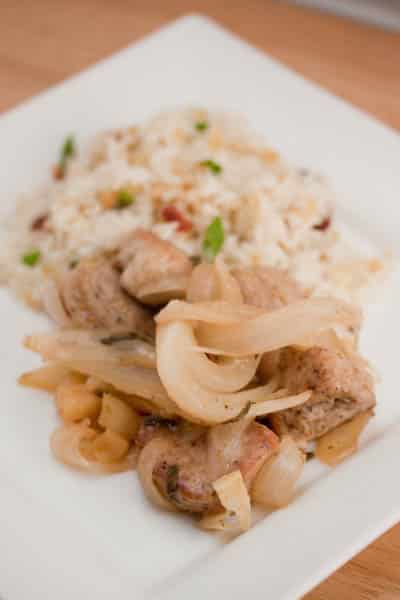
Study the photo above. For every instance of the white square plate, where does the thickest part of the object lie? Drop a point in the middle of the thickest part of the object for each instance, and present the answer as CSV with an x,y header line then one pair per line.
x,y
67,536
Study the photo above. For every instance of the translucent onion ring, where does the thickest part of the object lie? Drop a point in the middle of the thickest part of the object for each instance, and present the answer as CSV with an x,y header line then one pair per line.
x,y
229,289
65,444
226,377
233,331
130,380
216,312
148,458
194,400
87,345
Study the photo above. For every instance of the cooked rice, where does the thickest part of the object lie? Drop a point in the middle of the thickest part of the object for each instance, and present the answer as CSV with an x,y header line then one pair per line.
x,y
271,211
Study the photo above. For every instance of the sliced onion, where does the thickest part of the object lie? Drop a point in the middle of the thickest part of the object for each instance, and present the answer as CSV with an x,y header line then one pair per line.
x,y
78,344
276,402
130,380
336,445
94,384
78,351
274,485
234,497
45,378
203,284
136,352
226,377
220,521
194,400
229,289
142,405
217,313
66,445
53,304
273,330
215,281
108,447
224,446
148,459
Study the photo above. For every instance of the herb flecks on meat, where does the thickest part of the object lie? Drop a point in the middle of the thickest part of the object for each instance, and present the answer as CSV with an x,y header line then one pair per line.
x,y
172,480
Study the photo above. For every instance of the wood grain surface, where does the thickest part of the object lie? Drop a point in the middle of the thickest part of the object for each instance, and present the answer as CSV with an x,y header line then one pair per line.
x,y
43,41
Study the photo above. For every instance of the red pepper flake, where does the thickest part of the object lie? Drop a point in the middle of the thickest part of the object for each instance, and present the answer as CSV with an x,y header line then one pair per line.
x,y
323,225
39,223
171,213
58,172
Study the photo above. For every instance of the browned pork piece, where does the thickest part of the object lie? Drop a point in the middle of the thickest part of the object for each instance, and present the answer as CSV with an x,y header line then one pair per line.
x,y
342,388
93,297
186,469
267,287
153,270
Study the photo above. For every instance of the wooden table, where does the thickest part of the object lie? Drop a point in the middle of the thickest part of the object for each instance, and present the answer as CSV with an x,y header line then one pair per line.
x,y
43,41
